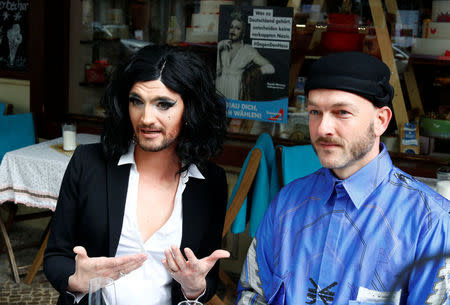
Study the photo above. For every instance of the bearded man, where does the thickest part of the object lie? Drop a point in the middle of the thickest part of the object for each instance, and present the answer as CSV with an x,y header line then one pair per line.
x,y
350,232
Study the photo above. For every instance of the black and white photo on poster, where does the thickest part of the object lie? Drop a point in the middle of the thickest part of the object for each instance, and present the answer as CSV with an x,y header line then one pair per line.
x,y
13,35
253,53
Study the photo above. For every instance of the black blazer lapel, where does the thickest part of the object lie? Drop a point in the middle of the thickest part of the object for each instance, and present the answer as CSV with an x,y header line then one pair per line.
x,y
194,201
117,186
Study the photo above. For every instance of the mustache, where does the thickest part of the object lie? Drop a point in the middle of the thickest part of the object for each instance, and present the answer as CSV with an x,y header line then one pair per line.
x,y
151,126
330,140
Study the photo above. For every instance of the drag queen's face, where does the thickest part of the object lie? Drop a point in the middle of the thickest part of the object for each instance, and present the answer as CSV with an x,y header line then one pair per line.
x,y
235,32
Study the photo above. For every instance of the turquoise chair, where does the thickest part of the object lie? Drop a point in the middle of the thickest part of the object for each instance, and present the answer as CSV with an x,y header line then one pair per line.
x,y
16,131
296,162
260,187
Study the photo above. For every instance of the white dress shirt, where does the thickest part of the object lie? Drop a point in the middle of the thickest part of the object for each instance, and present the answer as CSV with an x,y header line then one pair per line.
x,y
149,284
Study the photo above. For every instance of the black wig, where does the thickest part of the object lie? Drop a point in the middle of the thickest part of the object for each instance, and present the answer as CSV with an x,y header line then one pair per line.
x,y
204,117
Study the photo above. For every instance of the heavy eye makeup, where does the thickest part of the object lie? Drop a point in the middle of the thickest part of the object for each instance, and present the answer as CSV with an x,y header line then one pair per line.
x,y
160,103
135,100
164,104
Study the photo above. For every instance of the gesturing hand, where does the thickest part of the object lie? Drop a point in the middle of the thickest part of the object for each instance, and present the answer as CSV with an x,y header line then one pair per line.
x,y
87,268
191,273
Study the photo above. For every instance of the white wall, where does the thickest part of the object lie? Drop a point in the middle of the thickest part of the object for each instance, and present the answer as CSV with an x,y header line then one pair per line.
x,y
17,93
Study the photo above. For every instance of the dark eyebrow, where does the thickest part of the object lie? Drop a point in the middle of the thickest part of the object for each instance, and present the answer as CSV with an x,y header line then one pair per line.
x,y
169,99
310,102
134,95
159,97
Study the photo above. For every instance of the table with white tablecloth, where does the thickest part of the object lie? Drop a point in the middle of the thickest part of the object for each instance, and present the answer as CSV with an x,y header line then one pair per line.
x,y
32,176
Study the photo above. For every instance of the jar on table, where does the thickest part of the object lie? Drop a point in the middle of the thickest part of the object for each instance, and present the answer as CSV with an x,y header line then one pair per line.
x,y
443,181
69,131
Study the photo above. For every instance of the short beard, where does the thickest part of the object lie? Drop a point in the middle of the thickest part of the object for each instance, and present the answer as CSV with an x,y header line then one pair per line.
x,y
363,146
357,149
165,144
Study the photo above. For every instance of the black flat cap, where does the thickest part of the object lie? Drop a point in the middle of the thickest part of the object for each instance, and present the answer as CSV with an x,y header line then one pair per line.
x,y
354,72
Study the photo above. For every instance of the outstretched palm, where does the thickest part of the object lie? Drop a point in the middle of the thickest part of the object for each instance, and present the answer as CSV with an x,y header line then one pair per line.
x,y
191,273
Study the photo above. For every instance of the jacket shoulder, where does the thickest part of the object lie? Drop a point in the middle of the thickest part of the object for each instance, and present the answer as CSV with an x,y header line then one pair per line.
x,y
211,170
89,155
89,150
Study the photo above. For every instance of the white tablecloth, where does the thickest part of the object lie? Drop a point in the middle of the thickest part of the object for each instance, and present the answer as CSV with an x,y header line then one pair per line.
x,y
32,175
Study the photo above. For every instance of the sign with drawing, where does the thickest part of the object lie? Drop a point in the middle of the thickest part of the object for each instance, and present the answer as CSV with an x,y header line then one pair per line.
x,y
253,55
14,34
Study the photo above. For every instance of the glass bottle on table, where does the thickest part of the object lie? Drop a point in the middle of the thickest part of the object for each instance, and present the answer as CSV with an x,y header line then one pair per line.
x,y
69,131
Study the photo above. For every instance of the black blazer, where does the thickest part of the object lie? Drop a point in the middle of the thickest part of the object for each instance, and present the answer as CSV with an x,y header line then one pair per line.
x,y
90,212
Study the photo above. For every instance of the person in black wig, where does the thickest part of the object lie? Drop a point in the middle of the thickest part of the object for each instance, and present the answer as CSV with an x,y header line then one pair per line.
x,y
128,205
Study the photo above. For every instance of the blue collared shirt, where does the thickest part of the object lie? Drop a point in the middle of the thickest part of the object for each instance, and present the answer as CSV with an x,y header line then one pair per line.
x,y
330,241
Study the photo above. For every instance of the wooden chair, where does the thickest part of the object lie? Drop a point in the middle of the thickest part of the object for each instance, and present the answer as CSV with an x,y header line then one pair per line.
x,y
301,158
233,209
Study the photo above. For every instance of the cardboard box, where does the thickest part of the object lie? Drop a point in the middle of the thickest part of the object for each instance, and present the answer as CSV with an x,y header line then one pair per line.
x,y
440,11
436,30
409,138
434,47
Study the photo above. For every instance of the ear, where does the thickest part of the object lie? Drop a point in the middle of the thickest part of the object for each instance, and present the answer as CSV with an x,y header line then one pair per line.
x,y
382,119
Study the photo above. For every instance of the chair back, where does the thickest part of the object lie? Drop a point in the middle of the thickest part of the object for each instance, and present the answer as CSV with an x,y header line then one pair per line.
x,y
237,208
260,189
296,162
5,108
242,188
16,131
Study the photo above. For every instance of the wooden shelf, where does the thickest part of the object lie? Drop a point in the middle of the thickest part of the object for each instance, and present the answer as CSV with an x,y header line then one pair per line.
x,y
100,40
96,85
195,44
87,123
418,165
429,60
87,118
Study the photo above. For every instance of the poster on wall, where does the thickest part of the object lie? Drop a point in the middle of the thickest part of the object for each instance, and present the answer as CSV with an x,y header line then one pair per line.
x,y
13,35
253,54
